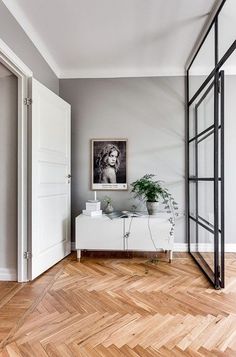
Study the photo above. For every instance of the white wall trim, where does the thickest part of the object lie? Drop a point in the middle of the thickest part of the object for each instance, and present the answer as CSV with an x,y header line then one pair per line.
x,y
183,247
15,60
229,71
8,274
180,247
230,248
23,73
15,10
121,73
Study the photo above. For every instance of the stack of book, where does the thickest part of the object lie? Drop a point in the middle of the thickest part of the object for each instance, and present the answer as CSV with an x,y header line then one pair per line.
x,y
93,208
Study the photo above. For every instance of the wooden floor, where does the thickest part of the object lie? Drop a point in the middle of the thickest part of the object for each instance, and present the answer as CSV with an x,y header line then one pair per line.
x,y
119,307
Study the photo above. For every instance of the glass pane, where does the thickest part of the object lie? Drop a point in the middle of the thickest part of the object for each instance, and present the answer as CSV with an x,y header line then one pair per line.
x,y
192,115
205,109
221,263
227,28
206,156
192,238
230,65
206,246
192,199
219,198
202,248
192,158
206,203
219,138
203,64
202,110
230,152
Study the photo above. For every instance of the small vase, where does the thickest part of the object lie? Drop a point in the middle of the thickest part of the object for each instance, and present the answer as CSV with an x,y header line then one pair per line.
x,y
109,208
152,207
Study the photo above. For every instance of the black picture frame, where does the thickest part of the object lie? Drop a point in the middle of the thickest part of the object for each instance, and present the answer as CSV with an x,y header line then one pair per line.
x,y
109,164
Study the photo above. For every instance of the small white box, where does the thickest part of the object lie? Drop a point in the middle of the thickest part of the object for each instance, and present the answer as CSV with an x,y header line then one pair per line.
x,y
92,213
93,206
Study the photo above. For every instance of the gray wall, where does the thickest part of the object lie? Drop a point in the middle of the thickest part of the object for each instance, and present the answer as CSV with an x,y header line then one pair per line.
x,y
15,37
147,111
230,159
8,173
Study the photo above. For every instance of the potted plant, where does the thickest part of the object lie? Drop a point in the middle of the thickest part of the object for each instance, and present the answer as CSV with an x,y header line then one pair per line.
x,y
152,191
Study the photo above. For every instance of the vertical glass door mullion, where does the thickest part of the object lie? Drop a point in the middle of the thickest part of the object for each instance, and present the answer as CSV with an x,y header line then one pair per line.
x,y
196,171
187,182
216,180
222,245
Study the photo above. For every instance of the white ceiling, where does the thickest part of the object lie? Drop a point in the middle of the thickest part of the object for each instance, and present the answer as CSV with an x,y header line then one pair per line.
x,y
113,38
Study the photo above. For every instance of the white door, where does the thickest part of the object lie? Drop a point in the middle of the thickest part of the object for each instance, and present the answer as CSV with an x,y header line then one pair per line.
x,y
50,179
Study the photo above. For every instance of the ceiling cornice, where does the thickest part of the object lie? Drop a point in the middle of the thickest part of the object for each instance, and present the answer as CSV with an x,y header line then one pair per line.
x,y
122,73
32,34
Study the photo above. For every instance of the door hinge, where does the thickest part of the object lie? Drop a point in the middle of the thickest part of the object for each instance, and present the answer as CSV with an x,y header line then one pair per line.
x,y
27,255
27,101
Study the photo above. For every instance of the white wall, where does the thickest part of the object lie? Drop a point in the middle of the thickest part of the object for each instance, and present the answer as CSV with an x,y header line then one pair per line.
x,y
8,176
147,111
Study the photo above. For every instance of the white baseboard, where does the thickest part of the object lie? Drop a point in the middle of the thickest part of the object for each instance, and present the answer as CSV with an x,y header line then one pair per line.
x,y
209,247
8,274
183,247
230,248
180,247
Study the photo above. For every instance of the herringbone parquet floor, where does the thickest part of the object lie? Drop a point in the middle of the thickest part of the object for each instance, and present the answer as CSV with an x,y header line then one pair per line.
x,y
119,307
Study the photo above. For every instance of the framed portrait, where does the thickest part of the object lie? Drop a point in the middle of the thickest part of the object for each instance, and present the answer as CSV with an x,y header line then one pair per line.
x,y
109,164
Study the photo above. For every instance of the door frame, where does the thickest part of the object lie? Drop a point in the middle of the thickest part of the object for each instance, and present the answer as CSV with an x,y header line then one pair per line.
x,y
10,60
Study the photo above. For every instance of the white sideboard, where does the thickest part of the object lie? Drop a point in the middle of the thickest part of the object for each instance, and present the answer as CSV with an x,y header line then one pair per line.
x,y
143,233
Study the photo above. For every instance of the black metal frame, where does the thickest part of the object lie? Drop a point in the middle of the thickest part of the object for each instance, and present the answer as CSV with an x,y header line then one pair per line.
x,y
222,110
216,277
200,221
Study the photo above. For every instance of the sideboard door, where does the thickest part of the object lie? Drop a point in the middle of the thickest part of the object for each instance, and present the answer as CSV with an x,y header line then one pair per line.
x,y
148,233
99,233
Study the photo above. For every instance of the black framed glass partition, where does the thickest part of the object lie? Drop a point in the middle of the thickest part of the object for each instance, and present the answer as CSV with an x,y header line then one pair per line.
x,y
205,146
204,179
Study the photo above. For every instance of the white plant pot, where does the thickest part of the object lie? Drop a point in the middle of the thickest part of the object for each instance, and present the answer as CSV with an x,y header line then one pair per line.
x,y
109,208
152,207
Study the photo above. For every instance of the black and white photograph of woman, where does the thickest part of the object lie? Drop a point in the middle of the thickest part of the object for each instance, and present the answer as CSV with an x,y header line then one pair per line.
x,y
109,164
